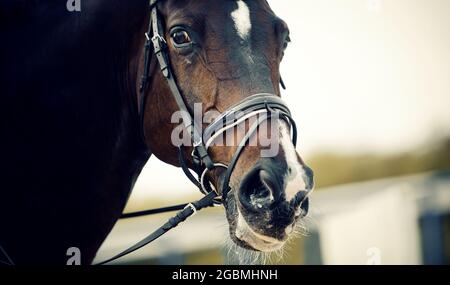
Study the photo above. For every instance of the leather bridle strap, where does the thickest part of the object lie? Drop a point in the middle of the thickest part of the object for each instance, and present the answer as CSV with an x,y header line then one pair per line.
x,y
188,211
280,113
146,78
160,51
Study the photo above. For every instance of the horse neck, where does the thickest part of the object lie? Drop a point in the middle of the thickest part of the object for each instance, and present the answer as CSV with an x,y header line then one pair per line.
x,y
116,29
69,97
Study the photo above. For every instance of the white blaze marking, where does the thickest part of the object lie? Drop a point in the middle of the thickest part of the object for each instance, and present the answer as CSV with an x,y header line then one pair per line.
x,y
241,18
295,177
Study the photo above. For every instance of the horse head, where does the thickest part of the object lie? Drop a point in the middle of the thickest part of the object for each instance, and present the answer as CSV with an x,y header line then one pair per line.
x,y
223,54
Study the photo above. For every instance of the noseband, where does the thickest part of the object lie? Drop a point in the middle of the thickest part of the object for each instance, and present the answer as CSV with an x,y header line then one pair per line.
x,y
261,106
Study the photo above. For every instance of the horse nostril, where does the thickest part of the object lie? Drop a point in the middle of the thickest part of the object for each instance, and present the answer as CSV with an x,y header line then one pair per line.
x,y
256,191
303,209
301,204
308,177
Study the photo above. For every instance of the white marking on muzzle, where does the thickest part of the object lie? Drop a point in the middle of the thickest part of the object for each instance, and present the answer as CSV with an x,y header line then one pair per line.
x,y
295,176
241,18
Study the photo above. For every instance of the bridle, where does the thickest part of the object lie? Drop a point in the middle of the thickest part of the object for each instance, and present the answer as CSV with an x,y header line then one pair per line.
x,y
263,106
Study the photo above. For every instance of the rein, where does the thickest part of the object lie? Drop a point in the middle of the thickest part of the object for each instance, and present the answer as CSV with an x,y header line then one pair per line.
x,y
263,105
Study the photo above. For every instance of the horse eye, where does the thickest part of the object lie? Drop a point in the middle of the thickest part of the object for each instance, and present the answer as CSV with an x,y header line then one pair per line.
x,y
181,37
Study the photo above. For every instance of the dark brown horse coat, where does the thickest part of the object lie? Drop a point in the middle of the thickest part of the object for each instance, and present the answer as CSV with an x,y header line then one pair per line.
x,y
70,144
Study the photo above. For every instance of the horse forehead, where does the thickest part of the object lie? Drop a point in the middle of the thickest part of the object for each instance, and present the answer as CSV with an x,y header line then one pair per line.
x,y
238,14
229,28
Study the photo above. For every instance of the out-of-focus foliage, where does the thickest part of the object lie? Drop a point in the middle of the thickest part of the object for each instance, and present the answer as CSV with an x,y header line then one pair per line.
x,y
332,169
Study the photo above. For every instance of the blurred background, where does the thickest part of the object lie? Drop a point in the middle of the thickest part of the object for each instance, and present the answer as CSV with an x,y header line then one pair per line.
x,y
369,85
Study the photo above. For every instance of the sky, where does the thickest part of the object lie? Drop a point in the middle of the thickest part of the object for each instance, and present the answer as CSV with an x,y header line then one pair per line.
x,y
362,76
367,75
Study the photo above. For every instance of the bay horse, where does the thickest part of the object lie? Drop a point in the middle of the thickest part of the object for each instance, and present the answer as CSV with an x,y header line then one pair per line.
x,y
76,130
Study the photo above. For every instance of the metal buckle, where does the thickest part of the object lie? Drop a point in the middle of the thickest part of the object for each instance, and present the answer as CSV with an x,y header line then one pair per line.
x,y
218,199
159,38
190,205
198,143
194,150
